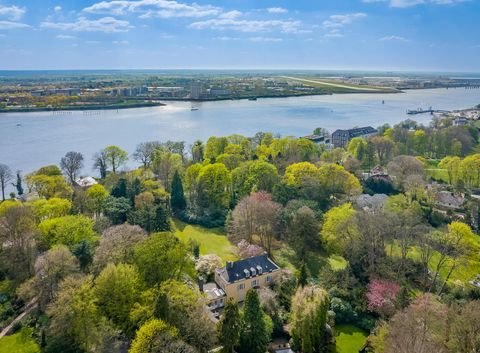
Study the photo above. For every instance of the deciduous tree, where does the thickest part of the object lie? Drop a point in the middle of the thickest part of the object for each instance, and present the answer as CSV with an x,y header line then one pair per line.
x,y
71,165
5,176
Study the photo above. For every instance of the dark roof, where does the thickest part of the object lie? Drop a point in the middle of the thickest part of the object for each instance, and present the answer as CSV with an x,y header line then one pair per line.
x,y
238,270
351,133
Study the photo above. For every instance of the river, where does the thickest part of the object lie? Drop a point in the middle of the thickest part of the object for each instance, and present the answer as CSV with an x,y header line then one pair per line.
x,y
31,140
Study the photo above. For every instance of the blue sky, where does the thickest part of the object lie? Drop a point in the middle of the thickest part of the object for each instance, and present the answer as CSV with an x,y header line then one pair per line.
x,y
426,35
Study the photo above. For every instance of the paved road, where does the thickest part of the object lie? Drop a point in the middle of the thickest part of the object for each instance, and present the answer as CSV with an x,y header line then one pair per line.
x,y
333,84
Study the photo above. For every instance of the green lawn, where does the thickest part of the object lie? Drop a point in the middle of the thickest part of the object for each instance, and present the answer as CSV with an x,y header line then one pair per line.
x,y
349,339
285,257
212,241
18,343
464,273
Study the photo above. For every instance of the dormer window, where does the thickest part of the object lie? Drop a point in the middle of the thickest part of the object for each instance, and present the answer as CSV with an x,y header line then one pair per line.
x,y
253,271
247,273
259,270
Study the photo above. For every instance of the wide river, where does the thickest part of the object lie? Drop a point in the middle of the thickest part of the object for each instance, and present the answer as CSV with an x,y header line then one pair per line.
x,y
31,140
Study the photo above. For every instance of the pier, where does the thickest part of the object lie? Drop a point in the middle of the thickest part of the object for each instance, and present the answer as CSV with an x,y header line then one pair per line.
x,y
423,111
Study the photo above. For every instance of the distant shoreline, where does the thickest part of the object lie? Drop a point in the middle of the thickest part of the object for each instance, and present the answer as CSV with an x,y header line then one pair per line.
x,y
82,108
158,104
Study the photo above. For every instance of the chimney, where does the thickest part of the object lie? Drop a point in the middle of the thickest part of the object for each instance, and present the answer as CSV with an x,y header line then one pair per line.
x,y
200,283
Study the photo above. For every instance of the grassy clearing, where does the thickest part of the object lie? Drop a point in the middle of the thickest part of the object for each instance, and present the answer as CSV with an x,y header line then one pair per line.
x,y
18,343
212,241
463,273
285,257
349,339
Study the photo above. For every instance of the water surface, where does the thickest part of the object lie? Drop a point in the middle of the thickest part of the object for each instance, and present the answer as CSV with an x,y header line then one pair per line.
x,y
31,140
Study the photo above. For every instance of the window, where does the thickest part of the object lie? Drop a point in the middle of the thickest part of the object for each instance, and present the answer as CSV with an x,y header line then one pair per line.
x,y
268,279
255,283
241,286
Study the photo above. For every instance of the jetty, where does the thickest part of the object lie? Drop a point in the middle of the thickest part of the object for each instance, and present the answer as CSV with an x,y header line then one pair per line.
x,y
424,111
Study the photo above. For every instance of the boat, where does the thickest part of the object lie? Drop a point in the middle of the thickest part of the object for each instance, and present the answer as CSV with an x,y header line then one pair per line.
x,y
193,109
383,102
19,124
252,98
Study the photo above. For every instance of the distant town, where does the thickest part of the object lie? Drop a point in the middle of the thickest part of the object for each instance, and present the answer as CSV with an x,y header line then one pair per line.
x,y
70,91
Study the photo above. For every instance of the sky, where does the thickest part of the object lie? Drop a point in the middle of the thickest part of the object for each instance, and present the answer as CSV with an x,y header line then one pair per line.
x,y
396,35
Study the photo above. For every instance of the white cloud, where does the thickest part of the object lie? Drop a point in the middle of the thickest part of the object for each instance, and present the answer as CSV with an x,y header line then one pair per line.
x,y
153,8
410,3
231,14
13,13
121,42
289,26
65,36
82,24
277,10
13,25
265,39
57,9
334,33
393,38
339,21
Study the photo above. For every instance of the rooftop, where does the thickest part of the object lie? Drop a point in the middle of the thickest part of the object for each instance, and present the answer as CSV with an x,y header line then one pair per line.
x,y
247,268
355,132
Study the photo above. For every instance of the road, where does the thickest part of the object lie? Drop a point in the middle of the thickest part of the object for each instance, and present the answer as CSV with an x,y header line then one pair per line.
x,y
333,84
29,307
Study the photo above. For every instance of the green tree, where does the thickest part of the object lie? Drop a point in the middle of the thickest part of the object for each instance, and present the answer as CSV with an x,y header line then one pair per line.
x,y
19,231
115,157
150,216
117,288
161,257
339,227
68,230
229,327
48,182
84,254
156,336
97,194
186,311
116,209
74,314
254,176
54,207
177,200
255,332
165,164
50,269
309,319
214,181
303,232
19,184
215,147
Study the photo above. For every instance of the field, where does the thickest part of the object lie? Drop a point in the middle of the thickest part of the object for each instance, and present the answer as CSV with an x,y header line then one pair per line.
x,y
212,241
349,339
17,343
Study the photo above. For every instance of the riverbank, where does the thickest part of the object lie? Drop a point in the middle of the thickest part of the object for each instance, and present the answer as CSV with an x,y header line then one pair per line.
x,y
83,107
130,105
